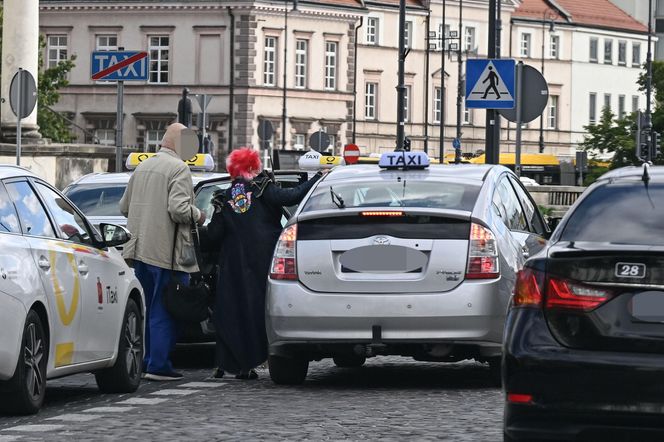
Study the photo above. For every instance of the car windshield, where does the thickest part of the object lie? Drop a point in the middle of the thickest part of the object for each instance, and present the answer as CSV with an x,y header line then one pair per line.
x,y
634,213
396,193
97,200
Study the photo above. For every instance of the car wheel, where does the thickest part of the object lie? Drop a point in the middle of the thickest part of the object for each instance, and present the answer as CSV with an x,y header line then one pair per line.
x,y
28,386
287,371
495,372
125,375
349,361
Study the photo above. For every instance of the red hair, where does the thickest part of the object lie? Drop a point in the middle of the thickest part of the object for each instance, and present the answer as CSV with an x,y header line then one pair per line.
x,y
244,163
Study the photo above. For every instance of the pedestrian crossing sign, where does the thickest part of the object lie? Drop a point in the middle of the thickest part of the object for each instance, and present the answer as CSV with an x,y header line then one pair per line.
x,y
490,83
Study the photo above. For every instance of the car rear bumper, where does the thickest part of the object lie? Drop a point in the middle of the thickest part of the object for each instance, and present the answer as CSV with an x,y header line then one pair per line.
x,y
474,312
577,393
12,318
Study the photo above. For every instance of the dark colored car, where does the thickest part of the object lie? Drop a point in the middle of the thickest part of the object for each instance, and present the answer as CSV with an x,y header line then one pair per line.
x,y
584,338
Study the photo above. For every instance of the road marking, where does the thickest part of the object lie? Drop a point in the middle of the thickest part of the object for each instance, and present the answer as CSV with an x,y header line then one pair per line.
x,y
175,392
143,401
74,417
108,410
38,428
202,385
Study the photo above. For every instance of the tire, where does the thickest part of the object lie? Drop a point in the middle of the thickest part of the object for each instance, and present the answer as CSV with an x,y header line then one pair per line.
x,y
125,375
28,386
287,371
349,361
495,372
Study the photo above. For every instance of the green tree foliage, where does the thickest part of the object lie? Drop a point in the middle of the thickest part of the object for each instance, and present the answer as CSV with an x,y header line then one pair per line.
x,y
612,135
49,82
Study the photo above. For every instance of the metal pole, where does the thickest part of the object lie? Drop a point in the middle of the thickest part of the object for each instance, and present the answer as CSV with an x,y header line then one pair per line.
x,y
519,107
492,132
19,135
443,42
355,82
401,88
118,128
648,128
284,110
203,129
459,73
541,128
426,83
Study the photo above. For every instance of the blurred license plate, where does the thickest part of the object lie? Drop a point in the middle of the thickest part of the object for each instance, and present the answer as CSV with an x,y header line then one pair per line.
x,y
648,306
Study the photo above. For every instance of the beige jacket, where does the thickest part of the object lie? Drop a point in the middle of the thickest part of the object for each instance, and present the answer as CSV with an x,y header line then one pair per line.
x,y
160,195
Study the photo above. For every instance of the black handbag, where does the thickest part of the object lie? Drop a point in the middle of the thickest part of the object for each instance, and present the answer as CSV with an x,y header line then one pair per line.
x,y
187,302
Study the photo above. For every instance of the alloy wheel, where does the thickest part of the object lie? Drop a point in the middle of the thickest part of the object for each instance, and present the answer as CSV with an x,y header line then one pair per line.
x,y
34,353
134,345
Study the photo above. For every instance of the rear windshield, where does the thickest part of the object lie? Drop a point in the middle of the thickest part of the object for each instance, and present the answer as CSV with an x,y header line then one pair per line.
x,y
98,200
396,193
622,213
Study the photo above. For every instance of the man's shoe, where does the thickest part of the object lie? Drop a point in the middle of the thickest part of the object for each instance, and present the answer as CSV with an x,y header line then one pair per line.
x,y
171,376
218,373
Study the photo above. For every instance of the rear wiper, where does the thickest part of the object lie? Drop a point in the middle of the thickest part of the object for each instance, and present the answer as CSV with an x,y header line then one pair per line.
x,y
336,199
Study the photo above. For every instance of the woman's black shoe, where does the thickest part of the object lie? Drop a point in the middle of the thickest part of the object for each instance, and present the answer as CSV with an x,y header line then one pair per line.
x,y
218,373
247,376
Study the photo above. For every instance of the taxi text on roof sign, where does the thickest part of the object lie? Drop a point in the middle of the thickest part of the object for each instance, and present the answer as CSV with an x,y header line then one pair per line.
x,y
199,162
404,160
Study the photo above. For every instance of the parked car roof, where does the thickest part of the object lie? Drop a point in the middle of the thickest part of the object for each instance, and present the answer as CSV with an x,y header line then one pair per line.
x,y
476,172
633,172
11,171
123,177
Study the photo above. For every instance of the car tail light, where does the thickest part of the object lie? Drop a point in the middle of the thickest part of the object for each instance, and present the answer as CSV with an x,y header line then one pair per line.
x,y
518,398
284,264
527,288
566,294
482,254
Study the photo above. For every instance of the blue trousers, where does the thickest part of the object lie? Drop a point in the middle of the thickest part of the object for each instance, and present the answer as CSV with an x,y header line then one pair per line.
x,y
160,328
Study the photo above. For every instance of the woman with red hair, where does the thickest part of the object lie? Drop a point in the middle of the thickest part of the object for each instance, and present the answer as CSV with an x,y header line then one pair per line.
x,y
246,225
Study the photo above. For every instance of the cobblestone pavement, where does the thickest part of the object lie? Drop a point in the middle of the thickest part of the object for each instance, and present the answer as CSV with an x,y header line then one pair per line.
x,y
387,399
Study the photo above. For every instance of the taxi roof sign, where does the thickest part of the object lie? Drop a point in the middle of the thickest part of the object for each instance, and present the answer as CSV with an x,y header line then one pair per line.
x,y
315,160
200,162
404,160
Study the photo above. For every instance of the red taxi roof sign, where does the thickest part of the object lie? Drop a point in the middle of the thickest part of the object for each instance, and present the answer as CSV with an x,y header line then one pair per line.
x,y
351,153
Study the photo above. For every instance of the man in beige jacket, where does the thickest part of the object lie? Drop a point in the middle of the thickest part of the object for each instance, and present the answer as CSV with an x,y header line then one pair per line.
x,y
159,198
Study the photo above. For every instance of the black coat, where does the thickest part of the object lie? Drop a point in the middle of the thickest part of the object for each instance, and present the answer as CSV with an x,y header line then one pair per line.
x,y
247,228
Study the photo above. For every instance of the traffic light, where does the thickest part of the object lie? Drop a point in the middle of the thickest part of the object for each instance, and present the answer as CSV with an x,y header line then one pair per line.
x,y
655,146
406,144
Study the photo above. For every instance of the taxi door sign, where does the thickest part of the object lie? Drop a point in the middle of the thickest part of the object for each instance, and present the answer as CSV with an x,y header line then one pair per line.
x,y
199,162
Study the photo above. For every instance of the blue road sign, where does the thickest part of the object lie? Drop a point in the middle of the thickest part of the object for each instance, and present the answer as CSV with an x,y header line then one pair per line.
x,y
490,83
456,143
120,65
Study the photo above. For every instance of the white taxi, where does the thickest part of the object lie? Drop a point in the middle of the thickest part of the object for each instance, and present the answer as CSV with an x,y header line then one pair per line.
x,y
68,301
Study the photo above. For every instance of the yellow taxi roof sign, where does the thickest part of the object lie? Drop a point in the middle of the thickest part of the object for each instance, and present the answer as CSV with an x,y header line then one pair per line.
x,y
200,162
527,159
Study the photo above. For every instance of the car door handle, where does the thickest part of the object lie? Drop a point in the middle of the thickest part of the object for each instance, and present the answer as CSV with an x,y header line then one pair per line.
x,y
44,263
83,268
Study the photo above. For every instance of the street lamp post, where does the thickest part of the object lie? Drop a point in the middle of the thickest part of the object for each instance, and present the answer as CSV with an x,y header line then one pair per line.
x,y
284,108
550,15
459,81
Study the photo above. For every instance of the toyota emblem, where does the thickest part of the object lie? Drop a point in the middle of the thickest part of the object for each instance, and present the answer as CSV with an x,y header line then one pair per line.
x,y
381,241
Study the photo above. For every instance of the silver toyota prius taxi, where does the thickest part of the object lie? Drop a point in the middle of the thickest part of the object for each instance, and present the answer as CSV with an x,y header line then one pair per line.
x,y
68,302
399,259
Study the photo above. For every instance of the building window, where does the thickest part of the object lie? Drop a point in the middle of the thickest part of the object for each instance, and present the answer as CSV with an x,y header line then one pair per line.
x,y
607,101
467,116
594,44
370,95
437,97
622,53
408,34
636,55
608,51
406,104
592,108
635,103
301,54
299,141
56,50
333,143
105,137
270,61
159,48
525,45
107,42
552,114
331,65
372,31
621,106
442,34
153,140
469,39
554,46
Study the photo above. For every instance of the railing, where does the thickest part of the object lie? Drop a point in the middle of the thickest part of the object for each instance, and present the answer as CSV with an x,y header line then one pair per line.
x,y
557,198
87,135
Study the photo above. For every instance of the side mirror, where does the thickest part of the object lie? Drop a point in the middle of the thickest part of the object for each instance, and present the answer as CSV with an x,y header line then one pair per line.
x,y
114,235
